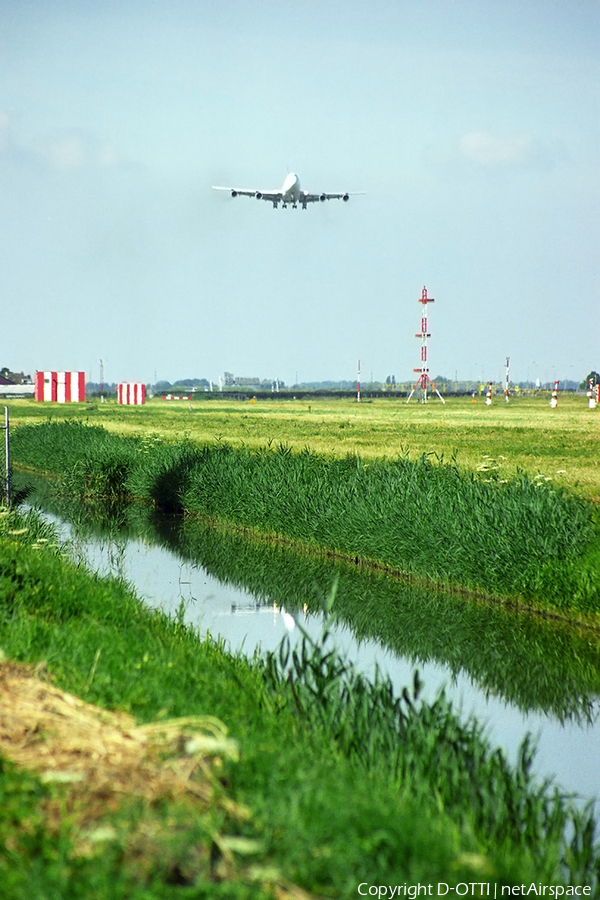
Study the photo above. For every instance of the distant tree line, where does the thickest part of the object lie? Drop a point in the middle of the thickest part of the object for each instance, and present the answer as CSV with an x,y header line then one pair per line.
x,y
203,384
594,377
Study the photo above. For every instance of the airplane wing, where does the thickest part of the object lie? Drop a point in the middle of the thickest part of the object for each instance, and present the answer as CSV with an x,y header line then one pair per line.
x,y
289,194
306,197
273,196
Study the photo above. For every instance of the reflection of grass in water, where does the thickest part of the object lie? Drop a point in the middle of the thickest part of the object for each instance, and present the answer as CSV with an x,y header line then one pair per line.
x,y
531,662
339,775
519,536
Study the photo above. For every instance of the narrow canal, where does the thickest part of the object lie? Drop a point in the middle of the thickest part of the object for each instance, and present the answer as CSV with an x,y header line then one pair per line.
x,y
516,673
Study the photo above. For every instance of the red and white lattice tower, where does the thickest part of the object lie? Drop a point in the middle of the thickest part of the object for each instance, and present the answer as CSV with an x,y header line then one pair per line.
x,y
423,371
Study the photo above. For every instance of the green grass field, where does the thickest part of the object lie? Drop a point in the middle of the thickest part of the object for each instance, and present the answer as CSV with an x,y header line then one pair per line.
x,y
337,774
519,538
338,781
560,444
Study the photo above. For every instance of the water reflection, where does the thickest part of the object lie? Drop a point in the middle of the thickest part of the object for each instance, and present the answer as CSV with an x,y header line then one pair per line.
x,y
515,672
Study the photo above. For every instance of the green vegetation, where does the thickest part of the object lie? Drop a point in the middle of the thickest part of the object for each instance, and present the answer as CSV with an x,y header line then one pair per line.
x,y
519,536
523,435
534,660
343,781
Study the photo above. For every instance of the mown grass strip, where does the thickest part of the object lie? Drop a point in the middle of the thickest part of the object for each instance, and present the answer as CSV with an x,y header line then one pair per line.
x,y
344,781
438,521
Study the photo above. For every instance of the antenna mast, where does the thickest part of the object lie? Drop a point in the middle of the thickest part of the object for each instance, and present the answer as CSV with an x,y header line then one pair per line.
x,y
424,378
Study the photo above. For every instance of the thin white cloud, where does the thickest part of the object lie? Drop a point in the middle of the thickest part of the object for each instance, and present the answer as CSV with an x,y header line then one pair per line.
x,y
5,125
68,152
488,149
77,150
107,156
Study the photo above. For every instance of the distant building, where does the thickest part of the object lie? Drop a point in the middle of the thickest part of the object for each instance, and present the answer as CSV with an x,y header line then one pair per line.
x,y
16,390
229,380
131,393
15,384
8,377
60,387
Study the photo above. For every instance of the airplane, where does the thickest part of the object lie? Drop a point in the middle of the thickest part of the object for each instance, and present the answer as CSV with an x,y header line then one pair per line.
x,y
290,193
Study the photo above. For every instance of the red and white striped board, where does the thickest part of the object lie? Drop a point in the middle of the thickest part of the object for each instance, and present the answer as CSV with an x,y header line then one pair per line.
x,y
60,387
131,393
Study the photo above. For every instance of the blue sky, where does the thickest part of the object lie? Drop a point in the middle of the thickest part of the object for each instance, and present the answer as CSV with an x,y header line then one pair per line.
x,y
473,127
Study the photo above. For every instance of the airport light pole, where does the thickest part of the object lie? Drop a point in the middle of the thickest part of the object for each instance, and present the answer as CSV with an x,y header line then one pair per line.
x,y
423,371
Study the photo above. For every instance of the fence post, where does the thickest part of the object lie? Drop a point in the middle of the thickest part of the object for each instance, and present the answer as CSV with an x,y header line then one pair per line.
x,y
7,445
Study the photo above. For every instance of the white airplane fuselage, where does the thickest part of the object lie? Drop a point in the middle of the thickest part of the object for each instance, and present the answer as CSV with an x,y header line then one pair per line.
x,y
290,190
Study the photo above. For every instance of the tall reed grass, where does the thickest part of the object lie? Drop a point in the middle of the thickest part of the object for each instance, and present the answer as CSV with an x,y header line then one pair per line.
x,y
432,756
426,518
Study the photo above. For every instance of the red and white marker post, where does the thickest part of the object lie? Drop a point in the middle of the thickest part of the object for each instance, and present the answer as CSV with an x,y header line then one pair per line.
x,y
424,378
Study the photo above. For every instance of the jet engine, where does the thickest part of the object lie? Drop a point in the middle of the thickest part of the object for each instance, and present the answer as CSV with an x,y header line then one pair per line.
x,y
346,197
323,198
234,193
258,195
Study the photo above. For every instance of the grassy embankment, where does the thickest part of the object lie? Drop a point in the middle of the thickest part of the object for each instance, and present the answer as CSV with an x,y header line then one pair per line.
x,y
519,537
560,444
337,783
